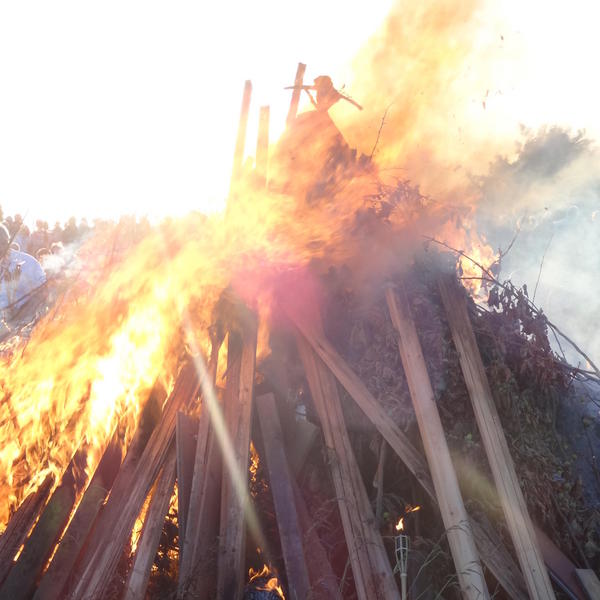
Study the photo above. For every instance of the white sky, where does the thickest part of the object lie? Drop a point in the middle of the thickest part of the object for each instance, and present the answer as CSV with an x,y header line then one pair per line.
x,y
132,107
121,107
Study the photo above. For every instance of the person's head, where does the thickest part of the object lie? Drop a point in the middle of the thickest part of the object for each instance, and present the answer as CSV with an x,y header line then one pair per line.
x,y
4,240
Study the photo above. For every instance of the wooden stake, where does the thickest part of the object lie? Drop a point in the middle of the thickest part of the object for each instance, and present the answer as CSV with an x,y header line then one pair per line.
x,y
126,500
454,515
590,583
186,429
238,155
324,583
490,545
291,116
262,146
370,565
241,359
197,577
20,524
54,579
492,435
152,530
290,532
22,579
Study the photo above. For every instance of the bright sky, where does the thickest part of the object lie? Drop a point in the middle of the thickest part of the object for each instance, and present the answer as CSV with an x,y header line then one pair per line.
x,y
132,107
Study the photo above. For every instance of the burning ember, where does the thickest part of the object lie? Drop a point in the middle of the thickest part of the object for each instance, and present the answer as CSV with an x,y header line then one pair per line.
x,y
264,580
400,524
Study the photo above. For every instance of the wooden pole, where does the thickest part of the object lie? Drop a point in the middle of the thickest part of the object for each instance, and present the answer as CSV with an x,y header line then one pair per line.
x,y
492,435
288,524
323,582
197,577
454,514
291,116
20,525
370,565
238,155
54,579
186,429
152,530
490,545
126,499
262,146
23,577
241,359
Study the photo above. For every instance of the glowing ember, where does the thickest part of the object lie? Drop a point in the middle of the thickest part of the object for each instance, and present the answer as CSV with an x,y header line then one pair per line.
x,y
411,509
271,583
254,462
400,524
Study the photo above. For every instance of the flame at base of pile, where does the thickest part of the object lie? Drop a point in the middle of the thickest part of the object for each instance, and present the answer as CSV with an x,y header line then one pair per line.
x,y
263,585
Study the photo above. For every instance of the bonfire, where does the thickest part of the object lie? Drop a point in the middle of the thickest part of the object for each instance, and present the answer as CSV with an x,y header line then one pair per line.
x,y
324,392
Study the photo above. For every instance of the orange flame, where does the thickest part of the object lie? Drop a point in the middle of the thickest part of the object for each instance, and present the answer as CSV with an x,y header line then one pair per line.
x,y
400,524
272,582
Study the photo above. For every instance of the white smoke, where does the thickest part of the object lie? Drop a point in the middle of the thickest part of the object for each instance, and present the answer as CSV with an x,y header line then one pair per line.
x,y
550,194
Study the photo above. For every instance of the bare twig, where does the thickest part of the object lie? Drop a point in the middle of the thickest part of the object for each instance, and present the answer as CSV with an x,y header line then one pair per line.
x,y
380,130
541,267
489,276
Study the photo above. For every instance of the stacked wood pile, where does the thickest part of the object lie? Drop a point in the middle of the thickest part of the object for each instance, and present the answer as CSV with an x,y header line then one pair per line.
x,y
55,547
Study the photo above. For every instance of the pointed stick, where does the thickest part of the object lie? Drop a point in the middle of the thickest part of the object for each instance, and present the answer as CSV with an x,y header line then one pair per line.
x,y
492,435
126,500
262,145
55,577
240,144
291,116
454,514
185,435
22,579
152,530
282,489
20,524
492,549
241,357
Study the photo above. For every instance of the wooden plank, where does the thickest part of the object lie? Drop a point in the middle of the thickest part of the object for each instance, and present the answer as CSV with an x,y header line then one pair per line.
x,y
197,577
561,569
238,154
370,566
186,430
20,525
445,482
139,576
590,582
492,550
241,360
126,500
323,582
23,577
291,116
54,579
262,145
492,435
290,532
